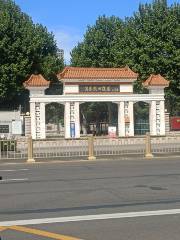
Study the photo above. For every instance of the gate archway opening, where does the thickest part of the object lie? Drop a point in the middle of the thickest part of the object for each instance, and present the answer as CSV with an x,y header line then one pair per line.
x,y
141,118
95,118
54,113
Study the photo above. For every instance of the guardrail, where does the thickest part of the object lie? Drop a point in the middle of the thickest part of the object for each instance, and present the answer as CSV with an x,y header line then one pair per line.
x,y
105,147
87,148
13,149
60,148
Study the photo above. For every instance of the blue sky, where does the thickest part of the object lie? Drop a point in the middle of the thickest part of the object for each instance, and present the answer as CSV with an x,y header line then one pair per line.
x,y
68,20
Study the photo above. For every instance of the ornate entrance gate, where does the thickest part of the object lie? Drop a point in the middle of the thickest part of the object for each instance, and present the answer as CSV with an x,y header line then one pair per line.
x,y
97,85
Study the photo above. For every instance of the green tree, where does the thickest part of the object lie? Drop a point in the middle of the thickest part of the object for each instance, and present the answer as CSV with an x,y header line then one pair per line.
x,y
151,45
25,48
97,48
148,42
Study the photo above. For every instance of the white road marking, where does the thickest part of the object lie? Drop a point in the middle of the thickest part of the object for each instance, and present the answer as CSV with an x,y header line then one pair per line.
x,y
14,179
90,217
13,170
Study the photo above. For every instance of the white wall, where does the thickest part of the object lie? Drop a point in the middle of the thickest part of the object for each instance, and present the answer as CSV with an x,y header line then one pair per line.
x,y
9,115
34,91
71,89
126,88
156,90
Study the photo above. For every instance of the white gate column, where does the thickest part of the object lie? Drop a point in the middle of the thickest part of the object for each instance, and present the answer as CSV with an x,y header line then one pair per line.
x,y
67,120
38,127
131,119
42,121
72,120
77,120
162,118
33,120
121,120
152,118
37,84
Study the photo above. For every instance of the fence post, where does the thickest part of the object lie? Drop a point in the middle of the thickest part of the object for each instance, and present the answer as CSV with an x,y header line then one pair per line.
x,y
30,150
148,151
91,148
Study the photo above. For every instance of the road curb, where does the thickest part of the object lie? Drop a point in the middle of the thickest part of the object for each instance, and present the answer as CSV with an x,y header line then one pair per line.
x,y
124,158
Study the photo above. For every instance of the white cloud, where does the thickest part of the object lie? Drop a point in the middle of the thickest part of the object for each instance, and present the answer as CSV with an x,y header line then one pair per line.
x,y
67,38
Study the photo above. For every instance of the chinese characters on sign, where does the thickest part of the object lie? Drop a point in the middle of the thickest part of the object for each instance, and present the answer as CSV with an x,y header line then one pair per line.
x,y
99,88
38,120
72,119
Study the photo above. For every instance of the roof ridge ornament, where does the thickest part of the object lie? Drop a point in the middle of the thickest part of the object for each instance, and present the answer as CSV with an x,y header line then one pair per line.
x,y
156,80
36,80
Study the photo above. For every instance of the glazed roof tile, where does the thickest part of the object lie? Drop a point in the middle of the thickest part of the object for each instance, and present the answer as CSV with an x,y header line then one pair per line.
x,y
96,73
36,81
156,80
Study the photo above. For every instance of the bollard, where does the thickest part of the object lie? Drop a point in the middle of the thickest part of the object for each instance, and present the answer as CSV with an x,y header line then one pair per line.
x,y
148,152
30,150
91,148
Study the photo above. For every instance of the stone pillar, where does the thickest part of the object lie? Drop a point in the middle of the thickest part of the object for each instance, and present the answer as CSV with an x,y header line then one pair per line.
x,y
162,118
167,123
131,119
42,121
121,120
77,120
37,113
72,120
67,120
27,125
38,120
33,120
152,118
109,113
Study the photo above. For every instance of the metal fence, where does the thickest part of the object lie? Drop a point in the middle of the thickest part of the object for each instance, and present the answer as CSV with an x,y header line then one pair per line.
x,y
141,127
13,149
105,147
83,148
60,148
165,145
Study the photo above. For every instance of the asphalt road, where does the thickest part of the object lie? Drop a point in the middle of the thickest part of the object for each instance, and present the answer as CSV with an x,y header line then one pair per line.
x,y
101,200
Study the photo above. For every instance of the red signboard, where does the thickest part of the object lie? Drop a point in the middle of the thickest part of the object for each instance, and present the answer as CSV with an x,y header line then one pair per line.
x,y
175,123
112,132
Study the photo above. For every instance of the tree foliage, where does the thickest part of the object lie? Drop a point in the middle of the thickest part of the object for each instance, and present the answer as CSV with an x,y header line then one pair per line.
x,y
149,42
97,48
25,48
55,113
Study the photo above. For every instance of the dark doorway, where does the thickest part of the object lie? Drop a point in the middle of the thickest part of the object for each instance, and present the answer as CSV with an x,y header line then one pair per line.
x,y
141,118
54,120
96,117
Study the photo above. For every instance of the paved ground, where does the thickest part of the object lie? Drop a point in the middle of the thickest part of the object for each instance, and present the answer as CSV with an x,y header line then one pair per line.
x,y
136,189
